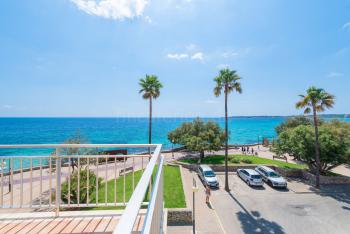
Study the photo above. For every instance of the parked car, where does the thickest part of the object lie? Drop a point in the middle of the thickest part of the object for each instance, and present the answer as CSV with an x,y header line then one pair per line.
x,y
250,176
271,177
207,175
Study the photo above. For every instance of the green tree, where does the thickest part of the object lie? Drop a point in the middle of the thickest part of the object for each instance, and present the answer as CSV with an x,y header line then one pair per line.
x,y
294,122
199,136
227,81
150,89
334,141
316,100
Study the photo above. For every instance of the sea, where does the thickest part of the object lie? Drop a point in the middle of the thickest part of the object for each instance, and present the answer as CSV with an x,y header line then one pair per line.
x,y
243,130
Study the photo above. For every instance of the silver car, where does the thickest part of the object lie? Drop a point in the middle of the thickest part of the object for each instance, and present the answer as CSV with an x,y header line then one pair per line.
x,y
207,175
271,177
250,176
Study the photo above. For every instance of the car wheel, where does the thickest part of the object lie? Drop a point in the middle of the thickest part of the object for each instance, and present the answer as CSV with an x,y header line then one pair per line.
x,y
248,182
270,183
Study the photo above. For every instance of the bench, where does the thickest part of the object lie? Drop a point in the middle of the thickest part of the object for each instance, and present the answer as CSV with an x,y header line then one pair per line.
x,y
283,157
125,170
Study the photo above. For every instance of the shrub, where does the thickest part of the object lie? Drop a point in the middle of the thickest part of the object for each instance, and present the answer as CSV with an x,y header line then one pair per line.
x,y
246,161
234,160
83,186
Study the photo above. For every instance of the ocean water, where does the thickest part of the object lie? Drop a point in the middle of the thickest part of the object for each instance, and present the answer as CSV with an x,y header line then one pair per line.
x,y
243,130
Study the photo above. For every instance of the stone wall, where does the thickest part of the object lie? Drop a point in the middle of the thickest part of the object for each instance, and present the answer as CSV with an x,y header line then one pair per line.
x,y
293,173
179,217
326,179
286,172
221,168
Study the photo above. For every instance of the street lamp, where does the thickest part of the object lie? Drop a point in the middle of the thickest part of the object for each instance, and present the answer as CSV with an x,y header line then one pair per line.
x,y
258,142
194,190
172,147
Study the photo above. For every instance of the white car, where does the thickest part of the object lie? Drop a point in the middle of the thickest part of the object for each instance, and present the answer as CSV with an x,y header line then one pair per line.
x,y
271,177
251,177
207,175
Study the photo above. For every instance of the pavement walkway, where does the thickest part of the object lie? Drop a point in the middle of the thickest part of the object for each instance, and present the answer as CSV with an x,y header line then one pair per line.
x,y
207,221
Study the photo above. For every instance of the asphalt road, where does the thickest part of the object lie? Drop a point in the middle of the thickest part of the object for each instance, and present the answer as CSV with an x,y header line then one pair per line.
x,y
267,210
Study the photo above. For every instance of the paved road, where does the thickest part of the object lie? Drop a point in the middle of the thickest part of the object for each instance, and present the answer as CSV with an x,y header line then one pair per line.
x,y
266,210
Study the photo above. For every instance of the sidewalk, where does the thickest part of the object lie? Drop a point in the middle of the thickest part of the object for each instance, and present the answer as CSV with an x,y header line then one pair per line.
x,y
206,218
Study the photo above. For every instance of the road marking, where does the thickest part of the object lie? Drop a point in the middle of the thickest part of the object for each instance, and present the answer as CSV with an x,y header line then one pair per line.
x,y
217,217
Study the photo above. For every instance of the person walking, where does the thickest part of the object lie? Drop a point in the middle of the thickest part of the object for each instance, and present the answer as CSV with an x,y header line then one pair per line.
x,y
207,194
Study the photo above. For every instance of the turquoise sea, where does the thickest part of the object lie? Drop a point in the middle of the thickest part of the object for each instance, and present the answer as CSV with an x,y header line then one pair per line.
x,y
243,130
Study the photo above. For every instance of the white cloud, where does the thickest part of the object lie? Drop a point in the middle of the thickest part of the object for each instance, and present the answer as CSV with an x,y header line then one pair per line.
x,y
112,9
223,66
237,53
148,19
229,54
191,47
335,74
198,56
177,56
211,102
346,25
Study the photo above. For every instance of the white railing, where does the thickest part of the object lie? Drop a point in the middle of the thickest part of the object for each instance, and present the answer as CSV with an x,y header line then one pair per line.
x,y
154,215
36,181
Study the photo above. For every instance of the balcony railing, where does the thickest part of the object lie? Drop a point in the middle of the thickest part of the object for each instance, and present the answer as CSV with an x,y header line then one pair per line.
x,y
36,181
154,216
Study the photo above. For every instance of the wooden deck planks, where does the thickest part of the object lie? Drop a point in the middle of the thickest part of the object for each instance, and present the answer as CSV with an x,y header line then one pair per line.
x,y
65,224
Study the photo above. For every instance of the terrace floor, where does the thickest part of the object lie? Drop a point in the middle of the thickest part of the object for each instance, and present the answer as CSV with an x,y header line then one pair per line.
x,y
103,221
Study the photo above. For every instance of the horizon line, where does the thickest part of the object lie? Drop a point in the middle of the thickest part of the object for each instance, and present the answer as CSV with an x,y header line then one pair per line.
x,y
155,117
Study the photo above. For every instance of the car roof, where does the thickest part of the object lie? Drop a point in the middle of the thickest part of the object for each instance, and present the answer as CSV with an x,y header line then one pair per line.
x,y
252,172
265,168
205,168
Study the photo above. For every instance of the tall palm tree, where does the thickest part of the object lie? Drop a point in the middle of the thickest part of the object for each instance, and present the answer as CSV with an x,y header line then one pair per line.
x,y
150,89
316,100
227,81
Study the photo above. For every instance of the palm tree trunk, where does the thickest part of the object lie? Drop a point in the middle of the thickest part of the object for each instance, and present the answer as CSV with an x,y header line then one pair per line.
x,y
150,125
226,143
317,150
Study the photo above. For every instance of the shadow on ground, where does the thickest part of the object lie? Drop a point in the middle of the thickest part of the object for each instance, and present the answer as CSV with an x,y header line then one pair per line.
x,y
340,193
252,222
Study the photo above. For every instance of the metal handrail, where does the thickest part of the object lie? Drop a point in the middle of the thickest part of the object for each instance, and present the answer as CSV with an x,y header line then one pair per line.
x,y
55,162
36,146
154,215
131,212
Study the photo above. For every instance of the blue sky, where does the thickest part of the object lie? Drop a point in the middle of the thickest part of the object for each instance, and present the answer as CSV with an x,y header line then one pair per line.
x,y
84,58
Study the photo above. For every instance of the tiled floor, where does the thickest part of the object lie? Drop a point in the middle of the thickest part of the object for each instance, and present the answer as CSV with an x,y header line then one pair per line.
x,y
67,222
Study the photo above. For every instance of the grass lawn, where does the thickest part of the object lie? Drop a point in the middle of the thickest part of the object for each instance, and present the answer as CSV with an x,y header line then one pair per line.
x,y
237,159
174,196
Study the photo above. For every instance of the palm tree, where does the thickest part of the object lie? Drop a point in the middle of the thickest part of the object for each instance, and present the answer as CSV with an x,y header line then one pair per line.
x,y
316,100
227,81
150,89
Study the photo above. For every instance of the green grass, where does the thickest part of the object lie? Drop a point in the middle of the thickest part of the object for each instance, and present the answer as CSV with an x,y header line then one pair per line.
x,y
174,196
233,159
173,190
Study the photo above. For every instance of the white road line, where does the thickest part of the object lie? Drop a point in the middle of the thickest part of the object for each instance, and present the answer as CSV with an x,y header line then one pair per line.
x,y
217,217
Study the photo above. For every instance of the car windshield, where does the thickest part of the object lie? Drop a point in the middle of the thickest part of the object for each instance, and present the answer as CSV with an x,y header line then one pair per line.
x,y
209,174
273,174
256,176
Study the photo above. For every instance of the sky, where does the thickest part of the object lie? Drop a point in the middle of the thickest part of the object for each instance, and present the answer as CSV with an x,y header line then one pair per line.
x,y
84,58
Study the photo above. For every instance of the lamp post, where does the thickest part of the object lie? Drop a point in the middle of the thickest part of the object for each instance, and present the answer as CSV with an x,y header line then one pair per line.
x,y
194,190
172,147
